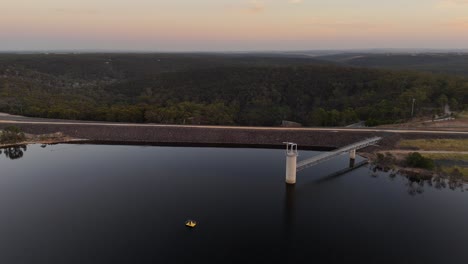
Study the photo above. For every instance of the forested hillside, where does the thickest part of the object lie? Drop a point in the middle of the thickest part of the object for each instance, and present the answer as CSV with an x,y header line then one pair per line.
x,y
445,63
215,89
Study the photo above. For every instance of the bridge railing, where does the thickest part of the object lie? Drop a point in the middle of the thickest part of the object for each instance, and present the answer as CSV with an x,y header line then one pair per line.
x,y
329,155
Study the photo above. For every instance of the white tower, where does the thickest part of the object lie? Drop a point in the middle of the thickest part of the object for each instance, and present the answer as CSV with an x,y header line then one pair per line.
x,y
291,162
352,158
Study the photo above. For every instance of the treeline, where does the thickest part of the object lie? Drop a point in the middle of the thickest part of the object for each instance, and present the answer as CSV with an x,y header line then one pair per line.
x,y
230,94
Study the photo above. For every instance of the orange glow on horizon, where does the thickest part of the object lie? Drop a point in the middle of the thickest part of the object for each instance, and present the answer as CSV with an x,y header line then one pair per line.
x,y
251,21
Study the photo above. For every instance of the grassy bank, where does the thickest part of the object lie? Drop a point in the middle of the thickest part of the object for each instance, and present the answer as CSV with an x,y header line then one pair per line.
x,y
446,156
435,144
455,170
455,151
463,114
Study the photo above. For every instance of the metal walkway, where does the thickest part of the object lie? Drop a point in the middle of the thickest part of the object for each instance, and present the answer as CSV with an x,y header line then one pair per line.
x,y
329,155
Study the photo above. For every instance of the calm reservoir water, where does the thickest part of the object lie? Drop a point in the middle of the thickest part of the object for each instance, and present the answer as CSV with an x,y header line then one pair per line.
x,y
128,204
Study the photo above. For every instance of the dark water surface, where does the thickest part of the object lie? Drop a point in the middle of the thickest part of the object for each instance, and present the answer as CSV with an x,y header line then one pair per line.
x,y
128,204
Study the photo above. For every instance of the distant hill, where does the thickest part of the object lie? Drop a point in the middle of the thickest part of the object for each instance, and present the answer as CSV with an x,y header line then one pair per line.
x,y
90,66
446,63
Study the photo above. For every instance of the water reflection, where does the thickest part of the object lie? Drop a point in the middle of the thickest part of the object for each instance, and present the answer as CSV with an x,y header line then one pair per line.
x,y
289,205
14,152
289,218
352,166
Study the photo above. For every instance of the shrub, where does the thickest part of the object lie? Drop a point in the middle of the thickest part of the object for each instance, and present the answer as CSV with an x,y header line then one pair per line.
x,y
12,134
416,160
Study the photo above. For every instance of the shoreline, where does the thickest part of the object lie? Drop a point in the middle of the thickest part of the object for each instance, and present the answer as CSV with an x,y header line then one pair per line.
x,y
221,137
370,154
160,144
55,138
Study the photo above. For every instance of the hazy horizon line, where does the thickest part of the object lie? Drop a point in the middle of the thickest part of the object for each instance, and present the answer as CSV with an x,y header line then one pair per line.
x,y
233,51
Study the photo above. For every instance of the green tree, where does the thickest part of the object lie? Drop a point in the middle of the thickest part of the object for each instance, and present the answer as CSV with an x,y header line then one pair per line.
x,y
318,117
415,159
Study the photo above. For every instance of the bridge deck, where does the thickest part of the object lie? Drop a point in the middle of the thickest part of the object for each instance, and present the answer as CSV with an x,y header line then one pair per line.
x,y
329,155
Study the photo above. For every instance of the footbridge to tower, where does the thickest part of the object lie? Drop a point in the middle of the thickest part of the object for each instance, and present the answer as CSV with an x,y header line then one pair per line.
x,y
292,166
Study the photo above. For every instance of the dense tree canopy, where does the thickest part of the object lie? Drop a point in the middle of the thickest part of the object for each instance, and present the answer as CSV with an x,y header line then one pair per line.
x,y
219,91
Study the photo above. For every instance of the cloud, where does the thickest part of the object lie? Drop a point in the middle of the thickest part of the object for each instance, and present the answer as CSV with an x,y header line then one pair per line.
x,y
76,11
256,6
259,6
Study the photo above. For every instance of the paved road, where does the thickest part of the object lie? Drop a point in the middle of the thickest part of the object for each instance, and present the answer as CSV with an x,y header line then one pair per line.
x,y
12,119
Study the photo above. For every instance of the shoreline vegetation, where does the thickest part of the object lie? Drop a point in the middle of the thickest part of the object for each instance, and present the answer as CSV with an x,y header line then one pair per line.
x,y
12,136
431,161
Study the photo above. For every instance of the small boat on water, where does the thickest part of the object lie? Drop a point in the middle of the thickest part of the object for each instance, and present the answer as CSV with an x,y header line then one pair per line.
x,y
190,223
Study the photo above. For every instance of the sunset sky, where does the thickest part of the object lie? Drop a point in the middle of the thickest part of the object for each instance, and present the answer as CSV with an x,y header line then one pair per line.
x,y
232,25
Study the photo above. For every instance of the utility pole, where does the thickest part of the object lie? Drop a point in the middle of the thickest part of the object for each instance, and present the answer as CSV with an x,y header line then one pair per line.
x,y
412,108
